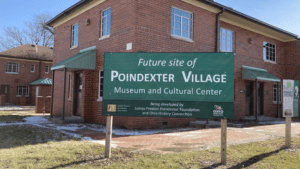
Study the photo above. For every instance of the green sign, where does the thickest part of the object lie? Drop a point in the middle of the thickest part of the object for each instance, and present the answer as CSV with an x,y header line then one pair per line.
x,y
192,85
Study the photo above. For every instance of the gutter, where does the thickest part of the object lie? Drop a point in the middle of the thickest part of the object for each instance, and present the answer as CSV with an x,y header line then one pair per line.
x,y
66,12
234,12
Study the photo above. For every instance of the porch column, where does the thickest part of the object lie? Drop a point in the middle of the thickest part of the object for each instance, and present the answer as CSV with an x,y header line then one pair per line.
x,y
277,97
52,92
64,94
256,99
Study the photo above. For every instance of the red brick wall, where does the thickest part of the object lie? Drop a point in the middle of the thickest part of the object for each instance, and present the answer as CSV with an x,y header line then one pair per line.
x,y
146,24
23,78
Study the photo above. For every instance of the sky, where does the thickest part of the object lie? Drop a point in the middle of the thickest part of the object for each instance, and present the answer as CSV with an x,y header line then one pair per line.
x,y
284,14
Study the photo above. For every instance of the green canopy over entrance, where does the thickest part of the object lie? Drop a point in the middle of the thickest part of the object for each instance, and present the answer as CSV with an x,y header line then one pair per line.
x,y
253,73
84,60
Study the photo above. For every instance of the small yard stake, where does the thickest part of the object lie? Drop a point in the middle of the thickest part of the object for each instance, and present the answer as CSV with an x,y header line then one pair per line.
x,y
108,136
288,132
223,141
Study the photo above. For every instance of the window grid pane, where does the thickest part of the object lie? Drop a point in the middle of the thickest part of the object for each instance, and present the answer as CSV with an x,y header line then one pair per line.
x,y
22,91
269,52
275,93
12,67
181,23
106,22
75,35
227,40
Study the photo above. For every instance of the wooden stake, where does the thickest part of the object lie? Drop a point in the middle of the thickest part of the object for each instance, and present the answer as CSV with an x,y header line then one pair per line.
x,y
108,136
288,132
223,141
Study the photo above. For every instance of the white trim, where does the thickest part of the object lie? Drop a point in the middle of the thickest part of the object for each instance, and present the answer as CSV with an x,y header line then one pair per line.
x,y
45,69
192,25
12,68
281,93
232,40
99,85
106,36
181,38
70,87
33,68
265,59
72,37
22,91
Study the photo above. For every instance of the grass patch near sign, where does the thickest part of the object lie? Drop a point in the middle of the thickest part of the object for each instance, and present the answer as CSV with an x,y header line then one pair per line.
x,y
25,146
9,117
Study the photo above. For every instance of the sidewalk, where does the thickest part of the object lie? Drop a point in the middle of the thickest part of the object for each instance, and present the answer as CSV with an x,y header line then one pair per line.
x,y
164,140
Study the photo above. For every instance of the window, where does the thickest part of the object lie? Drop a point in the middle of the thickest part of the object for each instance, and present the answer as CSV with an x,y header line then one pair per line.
x,y
32,68
101,73
75,35
70,86
106,23
12,67
22,91
226,40
275,93
47,69
181,24
269,52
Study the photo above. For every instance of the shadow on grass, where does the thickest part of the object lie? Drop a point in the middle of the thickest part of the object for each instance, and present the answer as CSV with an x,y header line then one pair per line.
x,y
75,163
12,136
12,118
248,162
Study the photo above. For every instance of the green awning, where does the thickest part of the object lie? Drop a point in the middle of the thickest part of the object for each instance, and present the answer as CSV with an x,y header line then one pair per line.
x,y
253,73
84,60
42,82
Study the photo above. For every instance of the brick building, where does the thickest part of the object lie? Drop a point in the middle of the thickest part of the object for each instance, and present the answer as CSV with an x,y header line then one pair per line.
x,y
91,28
25,73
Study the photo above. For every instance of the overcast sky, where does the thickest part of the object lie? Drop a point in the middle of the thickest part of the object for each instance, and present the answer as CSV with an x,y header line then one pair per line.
x,y
284,14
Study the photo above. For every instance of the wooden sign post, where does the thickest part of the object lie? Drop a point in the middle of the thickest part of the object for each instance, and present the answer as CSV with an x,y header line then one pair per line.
x,y
223,141
288,132
108,136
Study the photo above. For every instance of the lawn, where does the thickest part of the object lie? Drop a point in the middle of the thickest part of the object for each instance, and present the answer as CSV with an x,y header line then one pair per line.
x,y
16,116
25,146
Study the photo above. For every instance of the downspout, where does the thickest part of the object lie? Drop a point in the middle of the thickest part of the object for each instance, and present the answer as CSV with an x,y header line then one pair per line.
x,y
218,30
217,37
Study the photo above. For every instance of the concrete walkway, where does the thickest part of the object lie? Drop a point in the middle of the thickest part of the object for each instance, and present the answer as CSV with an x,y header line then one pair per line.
x,y
165,140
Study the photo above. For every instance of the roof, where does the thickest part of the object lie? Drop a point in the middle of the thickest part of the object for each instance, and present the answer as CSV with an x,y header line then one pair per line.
x,y
42,82
28,51
231,10
74,8
253,73
84,60
67,11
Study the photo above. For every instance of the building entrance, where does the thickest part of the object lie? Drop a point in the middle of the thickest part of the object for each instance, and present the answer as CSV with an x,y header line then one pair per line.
x,y
77,98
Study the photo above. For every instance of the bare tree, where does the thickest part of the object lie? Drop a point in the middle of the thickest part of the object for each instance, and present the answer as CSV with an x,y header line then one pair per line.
x,y
12,37
36,32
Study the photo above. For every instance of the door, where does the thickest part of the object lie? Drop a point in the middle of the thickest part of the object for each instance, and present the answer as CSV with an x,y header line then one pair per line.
x,y
5,91
260,99
37,91
78,89
249,99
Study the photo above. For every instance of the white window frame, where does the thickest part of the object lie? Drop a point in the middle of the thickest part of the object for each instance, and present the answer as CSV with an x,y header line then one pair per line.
x,y
232,40
99,88
70,87
23,87
280,93
11,63
173,28
47,72
102,16
73,45
32,71
265,52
